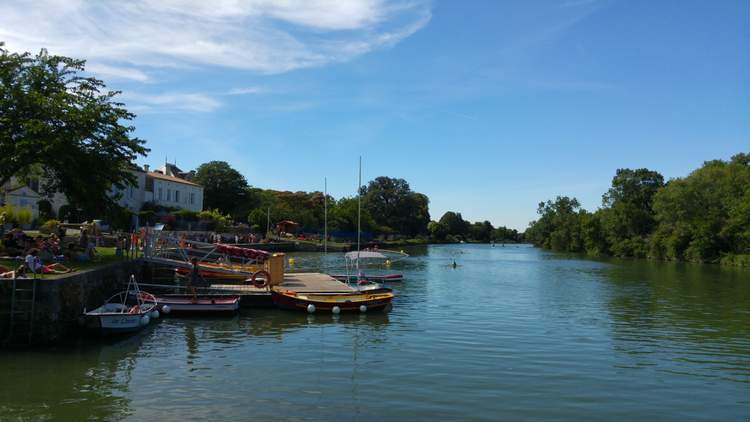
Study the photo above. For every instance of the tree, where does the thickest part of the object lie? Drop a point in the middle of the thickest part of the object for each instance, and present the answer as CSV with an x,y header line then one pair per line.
x,y
69,126
437,230
342,216
456,225
393,204
628,217
705,215
224,188
481,231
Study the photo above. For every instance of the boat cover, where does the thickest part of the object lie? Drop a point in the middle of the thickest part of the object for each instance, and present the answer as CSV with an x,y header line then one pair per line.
x,y
365,255
255,254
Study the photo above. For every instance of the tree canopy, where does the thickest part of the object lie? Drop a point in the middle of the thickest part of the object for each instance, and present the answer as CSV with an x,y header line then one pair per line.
x,y
224,188
704,217
67,126
393,205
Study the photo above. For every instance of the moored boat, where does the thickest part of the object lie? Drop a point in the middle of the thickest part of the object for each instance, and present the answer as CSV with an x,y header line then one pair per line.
x,y
199,303
373,300
125,312
376,278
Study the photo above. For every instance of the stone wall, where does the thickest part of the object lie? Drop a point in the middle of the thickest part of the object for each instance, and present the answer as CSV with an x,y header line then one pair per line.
x,y
60,301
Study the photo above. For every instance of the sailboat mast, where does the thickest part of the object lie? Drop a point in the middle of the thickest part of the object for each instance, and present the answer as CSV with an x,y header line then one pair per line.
x,y
359,210
325,213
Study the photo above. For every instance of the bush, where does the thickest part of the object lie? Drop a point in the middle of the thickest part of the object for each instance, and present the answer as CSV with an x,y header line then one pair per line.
x,y
186,215
49,226
219,221
15,215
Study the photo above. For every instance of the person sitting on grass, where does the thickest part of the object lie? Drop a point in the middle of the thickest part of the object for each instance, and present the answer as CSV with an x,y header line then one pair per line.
x,y
34,264
6,272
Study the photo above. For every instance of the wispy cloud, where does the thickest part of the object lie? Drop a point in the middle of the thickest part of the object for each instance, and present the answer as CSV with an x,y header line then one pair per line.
x,y
266,36
113,72
246,91
170,102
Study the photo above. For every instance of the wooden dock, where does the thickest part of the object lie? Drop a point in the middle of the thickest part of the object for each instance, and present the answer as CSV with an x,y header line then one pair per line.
x,y
299,282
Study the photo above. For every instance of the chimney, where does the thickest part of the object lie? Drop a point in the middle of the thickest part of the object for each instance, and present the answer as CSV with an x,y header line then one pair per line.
x,y
145,168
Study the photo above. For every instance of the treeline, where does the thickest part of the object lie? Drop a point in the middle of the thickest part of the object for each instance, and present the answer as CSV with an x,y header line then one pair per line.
x,y
389,207
704,217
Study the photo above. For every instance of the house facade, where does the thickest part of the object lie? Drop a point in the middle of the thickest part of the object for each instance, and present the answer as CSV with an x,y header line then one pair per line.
x,y
167,186
22,196
169,190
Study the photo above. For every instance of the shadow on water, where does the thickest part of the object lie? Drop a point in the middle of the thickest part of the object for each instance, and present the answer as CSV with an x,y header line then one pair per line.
x,y
89,378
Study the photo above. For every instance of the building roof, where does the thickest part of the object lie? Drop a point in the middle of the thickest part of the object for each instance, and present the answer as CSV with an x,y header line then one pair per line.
x,y
17,188
157,175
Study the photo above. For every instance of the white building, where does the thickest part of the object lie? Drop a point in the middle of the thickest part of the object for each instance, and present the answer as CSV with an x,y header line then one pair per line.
x,y
169,190
23,196
167,187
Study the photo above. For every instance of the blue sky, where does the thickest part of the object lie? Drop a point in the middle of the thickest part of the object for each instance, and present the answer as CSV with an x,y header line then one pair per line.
x,y
488,107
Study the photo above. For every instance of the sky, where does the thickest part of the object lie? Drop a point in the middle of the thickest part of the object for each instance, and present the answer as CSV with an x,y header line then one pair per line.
x,y
487,107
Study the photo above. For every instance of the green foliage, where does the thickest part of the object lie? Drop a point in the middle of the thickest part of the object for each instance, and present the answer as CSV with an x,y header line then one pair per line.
x,y
186,215
49,226
215,216
706,214
70,126
704,217
455,224
481,231
224,188
15,215
393,204
343,216
437,230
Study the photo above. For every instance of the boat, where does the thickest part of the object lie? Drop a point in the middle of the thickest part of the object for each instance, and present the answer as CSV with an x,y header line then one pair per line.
x,y
375,300
357,261
199,303
216,271
374,278
125,312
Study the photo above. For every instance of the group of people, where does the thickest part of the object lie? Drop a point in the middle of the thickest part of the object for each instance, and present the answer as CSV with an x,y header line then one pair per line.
x,y
45,255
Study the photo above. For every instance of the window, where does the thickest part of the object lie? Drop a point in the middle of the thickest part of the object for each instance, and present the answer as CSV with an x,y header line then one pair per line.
x,y
160,196
169,195
192,198
131,192
177,196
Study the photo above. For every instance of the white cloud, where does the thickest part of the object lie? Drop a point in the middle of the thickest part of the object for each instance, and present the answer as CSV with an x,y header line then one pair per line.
x,y
246,91
168,102
113,72
266,36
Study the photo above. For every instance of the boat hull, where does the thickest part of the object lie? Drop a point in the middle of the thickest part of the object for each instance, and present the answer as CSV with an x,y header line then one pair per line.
x,y
200,304
375,278
114,324
326,302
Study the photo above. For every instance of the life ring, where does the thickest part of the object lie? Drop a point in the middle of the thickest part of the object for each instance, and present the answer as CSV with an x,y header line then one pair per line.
x,y
258,283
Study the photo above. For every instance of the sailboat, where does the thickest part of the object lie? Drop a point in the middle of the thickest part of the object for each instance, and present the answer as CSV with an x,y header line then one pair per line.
x,y
369,297
125,312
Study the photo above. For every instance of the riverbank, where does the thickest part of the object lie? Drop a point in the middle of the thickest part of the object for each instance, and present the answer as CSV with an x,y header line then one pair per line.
x,y
59,301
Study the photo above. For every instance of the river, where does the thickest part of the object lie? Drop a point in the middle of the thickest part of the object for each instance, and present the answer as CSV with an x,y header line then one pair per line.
x,y
511,333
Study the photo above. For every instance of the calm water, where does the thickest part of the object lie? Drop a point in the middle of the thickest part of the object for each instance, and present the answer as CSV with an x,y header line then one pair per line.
x,y
513,333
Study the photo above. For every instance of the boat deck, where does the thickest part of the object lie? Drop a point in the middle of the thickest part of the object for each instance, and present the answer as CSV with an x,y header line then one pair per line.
x,y
299,282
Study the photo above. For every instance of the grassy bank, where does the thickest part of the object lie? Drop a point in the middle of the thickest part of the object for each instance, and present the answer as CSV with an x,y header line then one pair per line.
x,y
105,256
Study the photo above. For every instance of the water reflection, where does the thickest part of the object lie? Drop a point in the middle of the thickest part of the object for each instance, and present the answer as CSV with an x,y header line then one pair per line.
x,y
88,379
512,333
